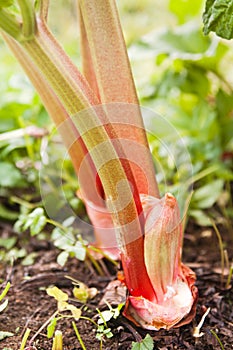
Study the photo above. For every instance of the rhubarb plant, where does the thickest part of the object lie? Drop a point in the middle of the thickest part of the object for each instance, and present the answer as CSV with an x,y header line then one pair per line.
x,y
98,116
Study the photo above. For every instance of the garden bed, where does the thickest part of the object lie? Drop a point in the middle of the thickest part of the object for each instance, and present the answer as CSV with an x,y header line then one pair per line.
x,y
30,306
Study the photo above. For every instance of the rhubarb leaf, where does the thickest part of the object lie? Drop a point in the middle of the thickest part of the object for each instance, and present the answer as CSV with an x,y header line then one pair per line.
x,y
146,344
218,18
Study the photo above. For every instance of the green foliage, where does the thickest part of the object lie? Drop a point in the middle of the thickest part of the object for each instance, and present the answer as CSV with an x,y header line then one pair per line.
x,y
51,327
103,332
146,344
218,18
3,305
35,221
107,315
188,89
6,3
185,9
70,242
10,176
64,236
4,293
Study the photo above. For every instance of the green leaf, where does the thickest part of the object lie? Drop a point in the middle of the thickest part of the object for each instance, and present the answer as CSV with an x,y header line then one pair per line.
x,y
186,42
10,176
200,217
76,312
6,3
8,243
7,214
29,259
107,332
218,18
3,305
57,293
38,225
5,291
146,344
51,327
205,196
36,221
184,9
4,335
62,258
79,251
224,103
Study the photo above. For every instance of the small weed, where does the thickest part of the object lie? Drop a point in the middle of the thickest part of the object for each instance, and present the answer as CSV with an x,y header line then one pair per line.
x,y
25,338
63,306
64,236
146,344
57,341
196,331
4,334
218,339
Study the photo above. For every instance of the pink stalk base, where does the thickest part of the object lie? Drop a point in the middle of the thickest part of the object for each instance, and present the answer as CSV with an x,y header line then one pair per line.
x,y
175,311
172,282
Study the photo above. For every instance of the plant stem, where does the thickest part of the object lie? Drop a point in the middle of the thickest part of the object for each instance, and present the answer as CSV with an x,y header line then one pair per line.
x,y
221,250
10,25
119,199
107,69
42,327
229,277
57,341
218,339
28,16
123,203
56,224
78,336
44,8
5,291
25,338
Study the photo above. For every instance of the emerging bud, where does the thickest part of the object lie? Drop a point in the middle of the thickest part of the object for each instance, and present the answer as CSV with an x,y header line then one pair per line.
x,y
173,282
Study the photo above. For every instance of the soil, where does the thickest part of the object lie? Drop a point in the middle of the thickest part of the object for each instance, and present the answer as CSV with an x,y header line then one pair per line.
x,y
30,306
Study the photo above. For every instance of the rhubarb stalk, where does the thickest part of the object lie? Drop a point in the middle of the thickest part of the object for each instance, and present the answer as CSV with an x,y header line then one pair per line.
x,y
75,95
99,110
